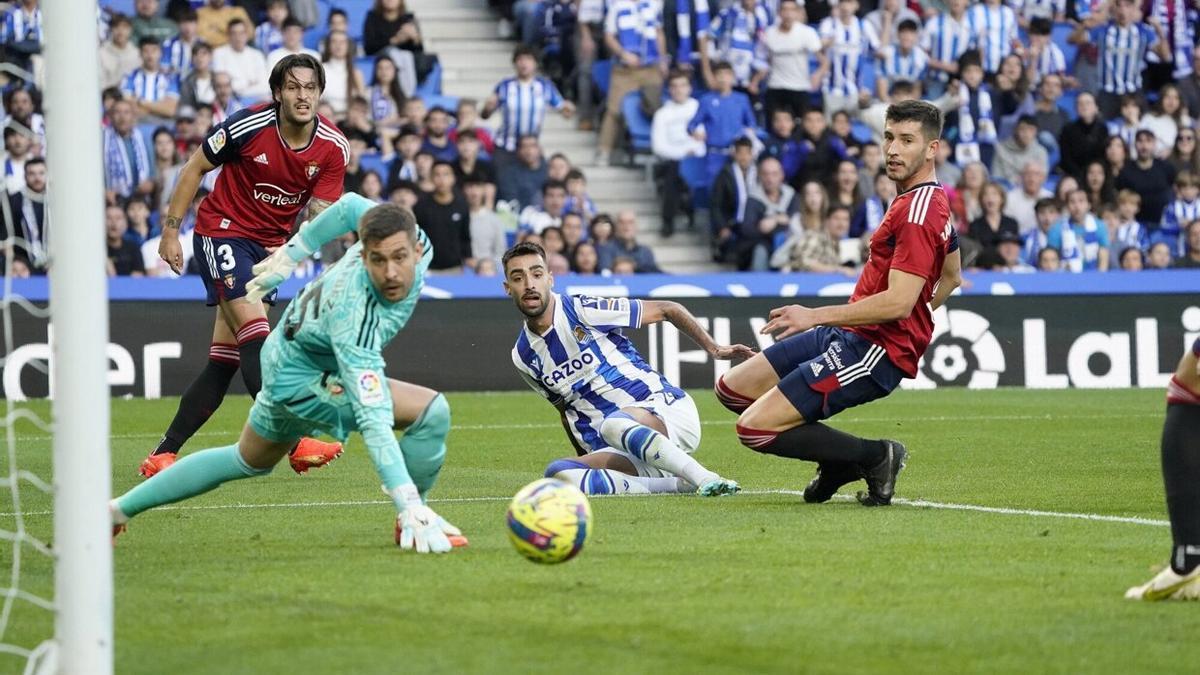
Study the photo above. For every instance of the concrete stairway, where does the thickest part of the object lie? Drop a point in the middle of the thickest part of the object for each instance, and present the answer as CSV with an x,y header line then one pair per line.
x,y
474,59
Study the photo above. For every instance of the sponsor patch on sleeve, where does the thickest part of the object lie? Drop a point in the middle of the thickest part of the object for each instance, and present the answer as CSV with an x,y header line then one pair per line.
x,y
217,141
370,389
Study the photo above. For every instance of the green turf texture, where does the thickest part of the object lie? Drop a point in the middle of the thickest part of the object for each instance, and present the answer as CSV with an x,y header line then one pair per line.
x,y
753,583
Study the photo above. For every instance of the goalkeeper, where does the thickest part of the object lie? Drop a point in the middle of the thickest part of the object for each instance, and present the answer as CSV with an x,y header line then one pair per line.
x,y
323,370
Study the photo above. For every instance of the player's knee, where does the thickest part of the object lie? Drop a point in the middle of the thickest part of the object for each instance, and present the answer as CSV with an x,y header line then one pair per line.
x,y
560,465
730,398
614,427
751,431
434,422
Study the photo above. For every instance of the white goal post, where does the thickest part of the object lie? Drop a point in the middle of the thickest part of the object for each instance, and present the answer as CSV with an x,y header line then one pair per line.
x,y
83,628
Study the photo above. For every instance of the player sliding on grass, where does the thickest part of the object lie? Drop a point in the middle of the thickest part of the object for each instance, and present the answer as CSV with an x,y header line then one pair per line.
x,y
323,370
835,357
633,430
1180,579
275,158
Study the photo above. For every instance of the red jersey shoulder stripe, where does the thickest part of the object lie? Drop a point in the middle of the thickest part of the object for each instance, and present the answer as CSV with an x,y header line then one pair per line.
x,y
334,136
253,122
919,200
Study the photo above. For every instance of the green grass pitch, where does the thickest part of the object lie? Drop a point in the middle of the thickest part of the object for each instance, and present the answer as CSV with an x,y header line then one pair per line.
x,y
297,574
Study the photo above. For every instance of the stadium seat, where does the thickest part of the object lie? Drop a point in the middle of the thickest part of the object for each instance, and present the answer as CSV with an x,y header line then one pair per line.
x,y
437,100
601,75
694,172
125,7
366,66
861,132
432,84
1067,101
356,11
373,162
636,122
1059,35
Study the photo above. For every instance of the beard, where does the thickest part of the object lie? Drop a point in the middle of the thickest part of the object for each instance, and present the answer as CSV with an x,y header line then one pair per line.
x,y
533,313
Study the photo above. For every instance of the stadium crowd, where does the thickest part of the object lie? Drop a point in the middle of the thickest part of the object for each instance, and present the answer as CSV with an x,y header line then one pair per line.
x,y
1070,138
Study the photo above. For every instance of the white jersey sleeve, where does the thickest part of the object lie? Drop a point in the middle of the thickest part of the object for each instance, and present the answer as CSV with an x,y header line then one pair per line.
x,y
608,313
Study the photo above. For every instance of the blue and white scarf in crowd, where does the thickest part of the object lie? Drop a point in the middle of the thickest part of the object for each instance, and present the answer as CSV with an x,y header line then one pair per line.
x,y
121,172
972,132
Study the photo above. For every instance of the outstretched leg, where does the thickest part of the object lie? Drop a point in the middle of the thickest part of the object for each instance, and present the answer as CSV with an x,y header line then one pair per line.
x,y
607,473
643,435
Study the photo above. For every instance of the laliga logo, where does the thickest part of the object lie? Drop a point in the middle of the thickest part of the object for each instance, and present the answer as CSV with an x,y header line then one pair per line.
x,y
279,197
962,352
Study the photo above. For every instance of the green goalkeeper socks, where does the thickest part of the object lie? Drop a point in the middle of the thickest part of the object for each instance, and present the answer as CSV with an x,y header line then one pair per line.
x,y
193,475
424,444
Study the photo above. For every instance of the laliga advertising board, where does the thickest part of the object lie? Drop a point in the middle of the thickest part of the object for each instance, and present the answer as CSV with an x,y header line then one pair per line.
x,y
980,342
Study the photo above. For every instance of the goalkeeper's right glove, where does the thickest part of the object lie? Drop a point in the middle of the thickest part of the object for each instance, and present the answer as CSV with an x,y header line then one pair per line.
x,y
276,268
422,529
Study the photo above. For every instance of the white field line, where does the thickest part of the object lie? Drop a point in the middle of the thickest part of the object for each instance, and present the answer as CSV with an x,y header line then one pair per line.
x,y
717,423
914,503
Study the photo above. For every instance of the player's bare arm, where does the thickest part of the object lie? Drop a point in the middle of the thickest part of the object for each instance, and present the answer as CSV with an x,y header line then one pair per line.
x,y
891,305
950,280
190,176
654,311
316,206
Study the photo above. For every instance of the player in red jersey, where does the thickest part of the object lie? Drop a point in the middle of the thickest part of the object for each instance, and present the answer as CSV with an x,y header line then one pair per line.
x,y
275,158
831,358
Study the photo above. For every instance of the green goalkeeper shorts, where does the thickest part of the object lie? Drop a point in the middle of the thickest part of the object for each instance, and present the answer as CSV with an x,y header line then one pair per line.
x,y
298,401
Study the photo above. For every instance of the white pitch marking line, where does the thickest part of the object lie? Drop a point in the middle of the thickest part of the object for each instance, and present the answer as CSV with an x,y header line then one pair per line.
x,y
914,503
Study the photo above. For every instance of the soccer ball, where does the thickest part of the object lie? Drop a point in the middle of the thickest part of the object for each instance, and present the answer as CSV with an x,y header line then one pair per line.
x,y
549,521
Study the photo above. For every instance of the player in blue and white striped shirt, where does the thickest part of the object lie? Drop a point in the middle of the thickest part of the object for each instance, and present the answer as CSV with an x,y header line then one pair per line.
x,y
993,27
945,39
268,36
177,51
1043,56
632,429
901,62
1123,43
523,101
21,33
1179,213
734,35
155,91
848,41
1028,10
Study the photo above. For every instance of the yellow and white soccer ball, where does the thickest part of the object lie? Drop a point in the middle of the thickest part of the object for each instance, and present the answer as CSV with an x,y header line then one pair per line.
x,y
549,521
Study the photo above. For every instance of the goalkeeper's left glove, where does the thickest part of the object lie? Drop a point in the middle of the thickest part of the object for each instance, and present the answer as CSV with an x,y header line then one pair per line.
x,y
276,268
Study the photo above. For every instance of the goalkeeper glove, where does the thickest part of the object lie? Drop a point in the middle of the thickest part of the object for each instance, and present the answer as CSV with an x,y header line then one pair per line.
x,y
420,528
276,268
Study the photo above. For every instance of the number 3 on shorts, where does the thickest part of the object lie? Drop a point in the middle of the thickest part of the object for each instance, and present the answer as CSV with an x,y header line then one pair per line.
x,y
225,251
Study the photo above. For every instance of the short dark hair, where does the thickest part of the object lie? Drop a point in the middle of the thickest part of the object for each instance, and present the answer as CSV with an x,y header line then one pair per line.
x,y
1144,133
971,57
442,162
336,11
186,14
924,112
35,161
201,46
523,248
404,185
524,50
722,65
575,174
149,40
677,74
436,109
287,63
1046,203
383,221
118,19
743,142
907,25
1040,26
408,130
834,208
553,185
466,134
1027,119
235,22
292,22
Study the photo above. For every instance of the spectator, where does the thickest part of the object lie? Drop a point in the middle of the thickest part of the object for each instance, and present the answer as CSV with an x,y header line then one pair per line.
x,y
1127,125
730,194
521,180
118,56
634,36
148,23
1051,233
405,193
390,30
869,216
1159,256
124,257
552,243
337,21
1043,58
177,49
623,266
572,231
291,42
166,156
1098,186
1050,117
887,18
825,149
1128,231
371,186
589,38
387,99
948,173
469,168
213,21
558,167
268,36
624,245
446,218
1012,155
556,21
947,36
1131,259
848,41
23,114
1083,140
359,127
600,231
902,60
1010,95
437,135
1166,118
734,37
788,47
1123,43
27,213
1008,252
1185,156
1189,86
246,66
1182,210
987,227
487,231
578,200
342,79
1191,258
1049,259
1020,202
1116,156
584,259
225,100
967,203
1066,185
842,129
870,162
425,162
153,91
466,118
772,210
814,203
670,142
196,90
21,34
1031,11
973,123
1091,234
128,157
403,166
140,229
844,189
1175,19
723,116
993,28
1148,176
549,214
819,250
523,100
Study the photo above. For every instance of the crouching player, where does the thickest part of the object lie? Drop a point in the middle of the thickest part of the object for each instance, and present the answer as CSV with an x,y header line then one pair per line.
x,y
323,370
1180,580
633,430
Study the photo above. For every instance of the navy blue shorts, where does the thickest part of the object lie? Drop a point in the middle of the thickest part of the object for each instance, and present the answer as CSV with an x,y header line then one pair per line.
x,y
226,266
825,370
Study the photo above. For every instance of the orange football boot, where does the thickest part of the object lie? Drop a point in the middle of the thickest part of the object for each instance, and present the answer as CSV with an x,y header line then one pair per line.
x,y
155,463
312,454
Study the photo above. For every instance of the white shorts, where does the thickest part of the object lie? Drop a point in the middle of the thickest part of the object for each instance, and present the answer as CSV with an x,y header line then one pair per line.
x,y
682,421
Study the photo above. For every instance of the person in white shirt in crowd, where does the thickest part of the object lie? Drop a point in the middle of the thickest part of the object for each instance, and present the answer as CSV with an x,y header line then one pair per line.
x,y
246,66
1013,154
1021,200
785,53
671,142
537,218
887,18
293,43
342,80
118,56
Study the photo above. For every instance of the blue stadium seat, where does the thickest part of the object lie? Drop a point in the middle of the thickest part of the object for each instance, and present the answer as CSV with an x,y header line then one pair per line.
x,y
366,66
1067,101
125,7
694,172
602,75
432,84
1059,35
636,122
373,162
437,100
861,132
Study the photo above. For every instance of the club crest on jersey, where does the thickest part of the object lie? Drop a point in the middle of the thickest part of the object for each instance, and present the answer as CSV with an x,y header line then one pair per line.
x,y
370,389
582,335
217,141
311,169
